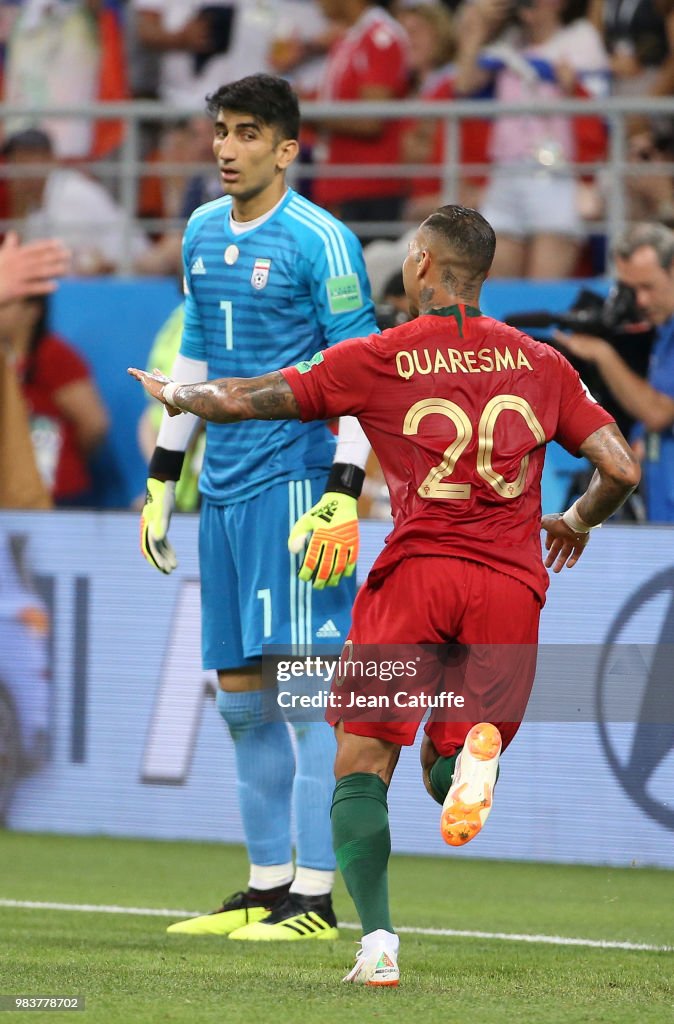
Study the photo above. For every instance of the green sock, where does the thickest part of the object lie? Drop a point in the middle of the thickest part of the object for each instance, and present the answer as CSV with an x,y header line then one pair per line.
x,y
362,842
441,775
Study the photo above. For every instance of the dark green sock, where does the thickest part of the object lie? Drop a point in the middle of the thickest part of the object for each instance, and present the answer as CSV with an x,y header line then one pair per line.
x,y
441,775
362,842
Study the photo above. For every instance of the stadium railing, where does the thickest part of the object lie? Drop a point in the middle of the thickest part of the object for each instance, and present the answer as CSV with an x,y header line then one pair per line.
x,y
124,171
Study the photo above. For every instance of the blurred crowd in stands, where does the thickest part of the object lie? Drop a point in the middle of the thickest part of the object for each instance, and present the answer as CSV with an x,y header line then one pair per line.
x,y
61,175
539,178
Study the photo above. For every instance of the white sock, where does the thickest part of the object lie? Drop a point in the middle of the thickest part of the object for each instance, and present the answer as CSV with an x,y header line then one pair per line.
x,y
312,882
269,876
380,939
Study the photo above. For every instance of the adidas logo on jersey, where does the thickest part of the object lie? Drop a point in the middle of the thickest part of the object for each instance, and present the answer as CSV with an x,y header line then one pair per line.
x,y
198,266
328,629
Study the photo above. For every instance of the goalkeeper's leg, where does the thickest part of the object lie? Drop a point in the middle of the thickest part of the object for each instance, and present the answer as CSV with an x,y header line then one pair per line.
x,y
265,767
312,797
308,912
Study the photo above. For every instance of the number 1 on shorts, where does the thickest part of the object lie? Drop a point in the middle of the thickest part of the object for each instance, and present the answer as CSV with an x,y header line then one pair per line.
x,y
265,597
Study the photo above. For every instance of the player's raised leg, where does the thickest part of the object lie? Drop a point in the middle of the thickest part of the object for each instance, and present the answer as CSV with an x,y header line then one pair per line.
x,y
463,783
498,633
469,799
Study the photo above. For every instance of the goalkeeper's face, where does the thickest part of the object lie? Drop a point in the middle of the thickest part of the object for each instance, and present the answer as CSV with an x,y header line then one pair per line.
x,y
251,156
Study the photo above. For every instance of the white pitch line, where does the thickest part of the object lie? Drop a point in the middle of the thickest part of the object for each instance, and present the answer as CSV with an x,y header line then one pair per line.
x,y
550,940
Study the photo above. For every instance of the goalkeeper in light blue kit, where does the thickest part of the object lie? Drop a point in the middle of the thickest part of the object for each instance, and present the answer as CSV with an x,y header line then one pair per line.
x,y
269,279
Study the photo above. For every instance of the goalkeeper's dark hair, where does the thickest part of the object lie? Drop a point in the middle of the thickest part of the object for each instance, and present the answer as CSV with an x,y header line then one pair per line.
x,y
469,242
268,98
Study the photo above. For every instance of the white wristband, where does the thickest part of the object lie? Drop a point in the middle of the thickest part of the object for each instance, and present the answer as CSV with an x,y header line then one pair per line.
x,y
168,393
572,519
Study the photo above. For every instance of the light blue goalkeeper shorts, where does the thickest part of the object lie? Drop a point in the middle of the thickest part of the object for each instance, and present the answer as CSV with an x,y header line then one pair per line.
x,y
250,593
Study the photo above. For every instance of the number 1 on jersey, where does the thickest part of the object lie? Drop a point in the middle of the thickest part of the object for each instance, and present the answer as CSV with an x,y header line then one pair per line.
x,y
226,305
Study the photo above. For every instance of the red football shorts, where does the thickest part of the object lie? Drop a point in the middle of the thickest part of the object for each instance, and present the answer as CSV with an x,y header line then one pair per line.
x,y
437,626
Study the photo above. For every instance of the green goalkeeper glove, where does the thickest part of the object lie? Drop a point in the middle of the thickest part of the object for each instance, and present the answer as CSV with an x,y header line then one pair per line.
x,y
333,524
154,524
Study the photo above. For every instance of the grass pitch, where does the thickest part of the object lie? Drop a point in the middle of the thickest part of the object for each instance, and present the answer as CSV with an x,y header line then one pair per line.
x,y
131,972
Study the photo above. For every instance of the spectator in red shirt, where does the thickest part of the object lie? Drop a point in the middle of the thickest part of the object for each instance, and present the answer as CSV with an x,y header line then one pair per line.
x,y
432,46
68,420
368,62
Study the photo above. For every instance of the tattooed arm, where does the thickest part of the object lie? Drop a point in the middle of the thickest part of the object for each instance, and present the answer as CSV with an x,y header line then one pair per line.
x,y
227,400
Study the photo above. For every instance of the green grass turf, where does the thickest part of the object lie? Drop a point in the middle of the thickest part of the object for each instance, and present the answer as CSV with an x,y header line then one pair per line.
x,y
130,971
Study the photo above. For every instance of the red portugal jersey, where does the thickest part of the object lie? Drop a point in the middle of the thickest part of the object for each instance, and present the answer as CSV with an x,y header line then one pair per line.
x,y
372,53
458,408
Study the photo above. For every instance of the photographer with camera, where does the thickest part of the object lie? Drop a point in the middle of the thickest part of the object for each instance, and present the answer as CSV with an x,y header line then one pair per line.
x,y
644,261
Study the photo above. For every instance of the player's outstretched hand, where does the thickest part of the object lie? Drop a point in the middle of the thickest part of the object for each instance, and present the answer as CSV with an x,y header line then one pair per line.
x,y
333,546
154,384
563,545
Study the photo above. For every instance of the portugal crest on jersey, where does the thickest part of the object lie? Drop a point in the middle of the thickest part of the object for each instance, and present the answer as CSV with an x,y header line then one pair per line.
x,y
260,274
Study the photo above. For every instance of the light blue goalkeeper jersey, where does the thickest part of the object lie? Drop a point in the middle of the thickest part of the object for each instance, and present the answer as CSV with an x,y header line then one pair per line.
x,y
259,301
